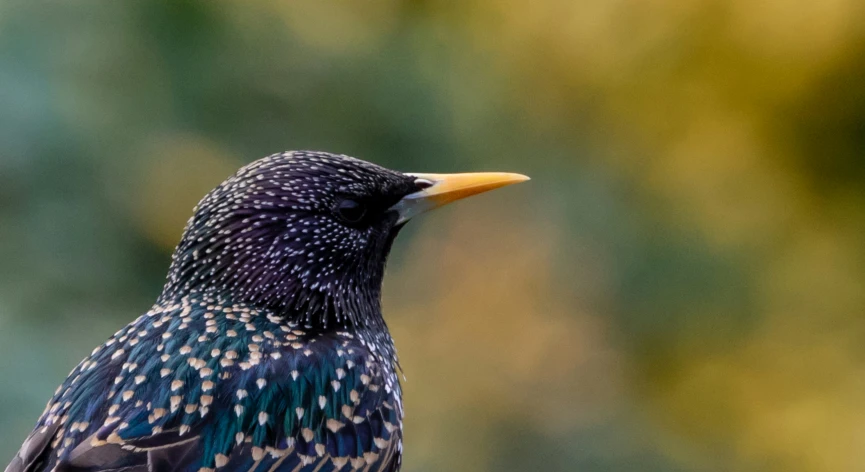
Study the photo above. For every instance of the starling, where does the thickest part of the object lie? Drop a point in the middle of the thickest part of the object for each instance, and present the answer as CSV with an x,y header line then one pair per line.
x,y
267,350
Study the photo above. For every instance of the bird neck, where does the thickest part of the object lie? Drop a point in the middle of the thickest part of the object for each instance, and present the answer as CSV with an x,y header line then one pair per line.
x,y
269,274
224,311
314,310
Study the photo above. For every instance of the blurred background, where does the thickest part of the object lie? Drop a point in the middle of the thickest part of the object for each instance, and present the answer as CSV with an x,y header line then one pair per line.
x,y
679,288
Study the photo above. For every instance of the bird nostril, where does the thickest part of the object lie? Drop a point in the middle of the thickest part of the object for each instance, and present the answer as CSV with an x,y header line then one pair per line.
x,y
423,183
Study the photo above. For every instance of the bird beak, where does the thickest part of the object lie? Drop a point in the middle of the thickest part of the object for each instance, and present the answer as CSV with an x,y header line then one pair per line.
x,y
445,188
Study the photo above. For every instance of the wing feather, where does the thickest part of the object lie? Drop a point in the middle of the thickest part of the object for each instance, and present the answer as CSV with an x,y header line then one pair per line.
x,y
35,450
162,397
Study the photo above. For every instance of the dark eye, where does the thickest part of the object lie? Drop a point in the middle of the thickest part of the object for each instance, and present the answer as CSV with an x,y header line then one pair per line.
x,y
351,211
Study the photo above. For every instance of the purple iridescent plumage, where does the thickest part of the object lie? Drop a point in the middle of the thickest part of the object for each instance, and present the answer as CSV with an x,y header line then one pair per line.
x,y
266,350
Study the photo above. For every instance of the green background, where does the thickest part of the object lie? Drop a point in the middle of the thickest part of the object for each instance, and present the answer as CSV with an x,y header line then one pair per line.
x,y
679,287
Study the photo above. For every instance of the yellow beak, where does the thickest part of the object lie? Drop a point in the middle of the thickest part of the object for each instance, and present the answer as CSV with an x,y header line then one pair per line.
x,y
446,188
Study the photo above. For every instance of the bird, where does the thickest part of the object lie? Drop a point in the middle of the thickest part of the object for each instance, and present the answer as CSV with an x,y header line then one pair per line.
x,y
267,350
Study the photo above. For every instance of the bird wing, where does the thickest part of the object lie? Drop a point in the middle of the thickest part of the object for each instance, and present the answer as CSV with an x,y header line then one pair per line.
x,y
34,451
161,396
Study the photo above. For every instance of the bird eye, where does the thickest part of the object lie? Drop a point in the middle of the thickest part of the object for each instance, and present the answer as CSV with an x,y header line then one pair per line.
x,y
351,211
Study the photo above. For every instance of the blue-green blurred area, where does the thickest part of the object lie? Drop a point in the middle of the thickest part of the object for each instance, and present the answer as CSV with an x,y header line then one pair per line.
x,y
679,288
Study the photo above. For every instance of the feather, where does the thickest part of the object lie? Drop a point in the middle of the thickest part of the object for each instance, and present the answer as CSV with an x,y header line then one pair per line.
x,y
34,451
265,352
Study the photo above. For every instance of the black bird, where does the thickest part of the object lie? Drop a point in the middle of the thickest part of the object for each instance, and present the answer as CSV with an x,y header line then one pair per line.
x,y
267,350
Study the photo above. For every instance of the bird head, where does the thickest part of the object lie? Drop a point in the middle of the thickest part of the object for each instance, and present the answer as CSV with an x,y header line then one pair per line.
x,y
307,234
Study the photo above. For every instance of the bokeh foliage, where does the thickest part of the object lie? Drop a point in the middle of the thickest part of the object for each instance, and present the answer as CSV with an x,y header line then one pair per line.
x,y
679,288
